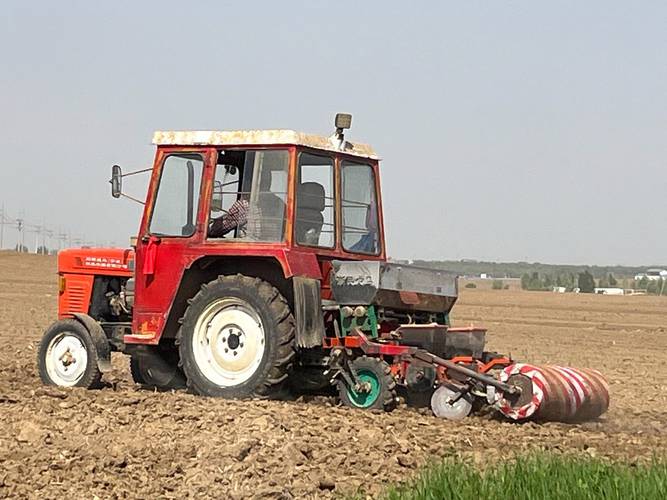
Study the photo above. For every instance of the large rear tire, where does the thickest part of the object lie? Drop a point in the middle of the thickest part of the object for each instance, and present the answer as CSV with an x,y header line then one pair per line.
x,y
66,356
237,339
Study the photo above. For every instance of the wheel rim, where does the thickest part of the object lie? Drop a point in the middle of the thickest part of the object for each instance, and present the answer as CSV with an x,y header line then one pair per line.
x,y
66,359
228,342
364,399
441,406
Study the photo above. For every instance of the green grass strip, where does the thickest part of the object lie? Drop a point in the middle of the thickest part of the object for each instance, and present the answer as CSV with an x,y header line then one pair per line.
x,y
535,478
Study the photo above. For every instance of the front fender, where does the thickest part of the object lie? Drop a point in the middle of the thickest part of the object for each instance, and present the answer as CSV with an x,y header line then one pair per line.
x,y
100,341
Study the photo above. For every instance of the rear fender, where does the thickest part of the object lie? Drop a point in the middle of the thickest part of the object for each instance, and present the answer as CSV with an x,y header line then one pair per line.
x,y
308,312
100,341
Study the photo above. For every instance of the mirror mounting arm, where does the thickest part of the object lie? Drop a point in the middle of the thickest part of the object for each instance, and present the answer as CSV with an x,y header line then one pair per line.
x,y
137,172
133,198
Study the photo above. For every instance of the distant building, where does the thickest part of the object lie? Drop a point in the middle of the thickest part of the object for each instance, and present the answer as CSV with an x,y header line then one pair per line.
x,y
653,275
609,291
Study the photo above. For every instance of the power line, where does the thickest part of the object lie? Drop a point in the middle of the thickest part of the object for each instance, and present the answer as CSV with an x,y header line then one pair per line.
x,y
45,236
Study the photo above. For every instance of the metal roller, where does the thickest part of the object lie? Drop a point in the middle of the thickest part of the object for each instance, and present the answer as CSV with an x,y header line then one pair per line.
x,y
553,393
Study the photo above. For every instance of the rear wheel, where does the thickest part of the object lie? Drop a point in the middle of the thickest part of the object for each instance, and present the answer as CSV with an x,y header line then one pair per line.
x,y
375,388
67,357
237,339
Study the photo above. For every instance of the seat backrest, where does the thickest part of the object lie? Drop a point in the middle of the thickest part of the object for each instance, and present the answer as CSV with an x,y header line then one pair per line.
x,y
266,222
310,201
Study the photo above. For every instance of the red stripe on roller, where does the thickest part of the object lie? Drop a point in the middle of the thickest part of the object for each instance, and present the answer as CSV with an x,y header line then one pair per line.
x,y
559,406
600,387
576,388
580,378
585,385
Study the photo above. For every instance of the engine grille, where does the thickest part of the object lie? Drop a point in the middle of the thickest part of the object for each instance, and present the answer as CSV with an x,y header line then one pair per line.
x,y
77,297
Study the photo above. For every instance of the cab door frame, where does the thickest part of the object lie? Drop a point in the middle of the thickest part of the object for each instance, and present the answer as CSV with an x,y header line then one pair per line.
x,y
155,289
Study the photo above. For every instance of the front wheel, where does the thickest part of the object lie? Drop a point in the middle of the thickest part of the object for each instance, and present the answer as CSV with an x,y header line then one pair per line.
x,y
237,339
67,357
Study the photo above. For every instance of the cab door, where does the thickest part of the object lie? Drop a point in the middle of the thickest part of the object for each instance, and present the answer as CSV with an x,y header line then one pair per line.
x,y
169,228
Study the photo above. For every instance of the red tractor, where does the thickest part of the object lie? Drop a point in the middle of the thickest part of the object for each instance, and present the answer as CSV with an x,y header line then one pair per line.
x,y
261,261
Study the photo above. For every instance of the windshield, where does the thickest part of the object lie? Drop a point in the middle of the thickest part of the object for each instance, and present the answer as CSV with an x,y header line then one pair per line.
x,y
177,198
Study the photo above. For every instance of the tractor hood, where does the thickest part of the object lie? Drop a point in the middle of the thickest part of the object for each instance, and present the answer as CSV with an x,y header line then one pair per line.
x,y
106,261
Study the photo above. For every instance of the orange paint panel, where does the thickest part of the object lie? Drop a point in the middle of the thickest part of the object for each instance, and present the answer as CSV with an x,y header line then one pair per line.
x,y
96,261
76,296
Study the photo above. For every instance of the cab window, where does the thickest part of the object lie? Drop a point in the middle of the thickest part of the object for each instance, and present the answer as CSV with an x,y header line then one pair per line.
x,y
359,206
175,208
249,195
314,223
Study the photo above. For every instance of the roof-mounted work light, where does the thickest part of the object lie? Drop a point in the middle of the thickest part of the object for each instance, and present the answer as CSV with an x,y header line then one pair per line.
x,y
343,121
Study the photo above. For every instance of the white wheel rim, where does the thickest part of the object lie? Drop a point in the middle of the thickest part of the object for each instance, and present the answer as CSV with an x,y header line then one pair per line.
x,y
66,359
442,408
228,342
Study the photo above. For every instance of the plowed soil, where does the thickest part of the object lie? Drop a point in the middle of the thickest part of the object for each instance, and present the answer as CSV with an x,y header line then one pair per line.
x,y
125,442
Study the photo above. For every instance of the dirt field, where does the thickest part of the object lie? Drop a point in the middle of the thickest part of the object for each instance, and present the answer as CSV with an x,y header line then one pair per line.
x,y
122,442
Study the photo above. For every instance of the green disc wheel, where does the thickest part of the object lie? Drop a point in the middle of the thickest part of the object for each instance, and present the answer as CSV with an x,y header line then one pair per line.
x,y
365,398
375,389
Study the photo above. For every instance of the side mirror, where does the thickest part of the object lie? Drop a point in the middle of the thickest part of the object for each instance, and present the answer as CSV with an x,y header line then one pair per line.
x,y
116,181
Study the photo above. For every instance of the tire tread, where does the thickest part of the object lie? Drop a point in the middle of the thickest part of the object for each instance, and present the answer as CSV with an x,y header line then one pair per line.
x,y
92,377
284,329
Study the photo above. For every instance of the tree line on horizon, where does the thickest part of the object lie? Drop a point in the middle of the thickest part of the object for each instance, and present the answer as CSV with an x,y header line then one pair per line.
x,y
537,276
516,270
586,283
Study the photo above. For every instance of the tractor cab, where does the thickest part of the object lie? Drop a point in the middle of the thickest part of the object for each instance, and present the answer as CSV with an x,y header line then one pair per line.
x,y
275,204
263,189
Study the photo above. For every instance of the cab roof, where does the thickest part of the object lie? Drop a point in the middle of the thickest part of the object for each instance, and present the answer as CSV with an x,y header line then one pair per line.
x,y
259,138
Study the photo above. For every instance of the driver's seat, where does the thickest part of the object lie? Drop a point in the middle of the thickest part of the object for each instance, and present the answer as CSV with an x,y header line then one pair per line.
x,y
310,202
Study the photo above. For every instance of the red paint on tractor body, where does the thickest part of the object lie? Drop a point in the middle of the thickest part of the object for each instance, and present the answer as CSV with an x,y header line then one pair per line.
x,y
160,262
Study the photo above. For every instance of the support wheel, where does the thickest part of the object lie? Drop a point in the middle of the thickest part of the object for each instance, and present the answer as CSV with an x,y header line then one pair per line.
x,y
237,339
376,389
152,368
450,403
67,357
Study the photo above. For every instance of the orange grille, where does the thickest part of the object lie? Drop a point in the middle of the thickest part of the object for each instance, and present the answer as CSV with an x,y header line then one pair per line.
x,y
76,296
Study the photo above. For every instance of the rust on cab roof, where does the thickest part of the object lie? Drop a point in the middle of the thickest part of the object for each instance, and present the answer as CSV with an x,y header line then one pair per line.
x,y
260,138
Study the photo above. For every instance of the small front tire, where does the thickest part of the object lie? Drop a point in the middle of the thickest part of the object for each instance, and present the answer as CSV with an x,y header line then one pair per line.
x,y
66,356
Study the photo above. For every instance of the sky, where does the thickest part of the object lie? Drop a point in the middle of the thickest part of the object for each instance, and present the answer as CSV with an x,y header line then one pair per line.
x,y
509,130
